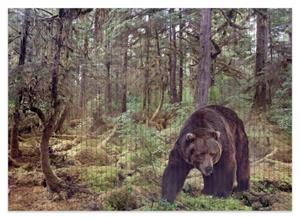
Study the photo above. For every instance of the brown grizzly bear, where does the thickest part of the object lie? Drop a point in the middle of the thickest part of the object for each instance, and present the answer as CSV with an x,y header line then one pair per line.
x,y
214,141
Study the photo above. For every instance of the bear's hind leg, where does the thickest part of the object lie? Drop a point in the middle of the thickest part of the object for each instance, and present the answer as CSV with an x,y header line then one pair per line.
x,y
243,167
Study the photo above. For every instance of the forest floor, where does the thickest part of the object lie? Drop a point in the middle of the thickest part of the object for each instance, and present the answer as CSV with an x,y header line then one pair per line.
x,y
121,170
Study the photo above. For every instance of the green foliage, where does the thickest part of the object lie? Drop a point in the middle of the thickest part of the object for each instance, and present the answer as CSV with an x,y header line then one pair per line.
x,y
200,203
161,206
100,178
121,199
145,142
206,203
281,109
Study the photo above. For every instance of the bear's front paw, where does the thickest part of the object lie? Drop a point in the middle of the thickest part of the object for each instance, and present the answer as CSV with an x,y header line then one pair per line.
x,y
207,192
222,194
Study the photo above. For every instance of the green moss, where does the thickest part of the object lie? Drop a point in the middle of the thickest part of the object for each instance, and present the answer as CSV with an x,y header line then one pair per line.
x,y
206,203
100,178
121,199
199,203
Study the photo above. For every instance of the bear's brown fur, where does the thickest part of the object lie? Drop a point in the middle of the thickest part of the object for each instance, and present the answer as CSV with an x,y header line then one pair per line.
x,y
213,140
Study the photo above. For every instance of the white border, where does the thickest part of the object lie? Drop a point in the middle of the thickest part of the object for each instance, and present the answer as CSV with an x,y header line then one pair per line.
x,y
158,4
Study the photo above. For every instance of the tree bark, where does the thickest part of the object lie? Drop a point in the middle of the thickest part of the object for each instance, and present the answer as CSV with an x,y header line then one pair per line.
x,y
204,73
262,98
124,75
53,183
83,71
162,80
62,119
173,60
108,94
14,142
146,100
181,58
99,20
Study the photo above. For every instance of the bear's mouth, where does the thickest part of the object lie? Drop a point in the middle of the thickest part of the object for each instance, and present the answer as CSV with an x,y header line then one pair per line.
x,y
207,171
206,174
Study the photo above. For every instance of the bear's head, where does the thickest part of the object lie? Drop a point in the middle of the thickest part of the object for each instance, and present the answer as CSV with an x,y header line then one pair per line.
x,y
202,149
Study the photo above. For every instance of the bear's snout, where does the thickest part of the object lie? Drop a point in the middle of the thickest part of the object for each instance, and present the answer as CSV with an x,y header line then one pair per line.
x,y
205,170
208,170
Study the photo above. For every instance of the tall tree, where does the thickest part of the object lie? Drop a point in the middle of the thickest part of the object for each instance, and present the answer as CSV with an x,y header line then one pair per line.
x,y
181,57
146,99
63,22
14,144
204,72
108,62
124,74
262,96
172,58
162,78
83,71
52,181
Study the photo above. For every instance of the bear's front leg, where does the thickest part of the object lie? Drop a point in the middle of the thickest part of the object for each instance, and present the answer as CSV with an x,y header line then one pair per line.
x,y
224,177
208,185
174,176
220,182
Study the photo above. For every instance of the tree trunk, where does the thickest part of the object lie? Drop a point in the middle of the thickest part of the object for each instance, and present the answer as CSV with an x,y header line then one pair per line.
x,y
173,60
82,89
124,75
52,181
97,26
146,100
83,71
162,82
62,119
14,142
270,34
204,73
181,58
108,94
262,97
100,16
118,81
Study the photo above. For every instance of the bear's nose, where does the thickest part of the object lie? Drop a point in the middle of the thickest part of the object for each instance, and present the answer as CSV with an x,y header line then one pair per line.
x,y
208,169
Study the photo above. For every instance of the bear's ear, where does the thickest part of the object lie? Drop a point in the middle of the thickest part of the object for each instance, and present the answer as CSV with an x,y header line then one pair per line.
x,y
216,135
189,137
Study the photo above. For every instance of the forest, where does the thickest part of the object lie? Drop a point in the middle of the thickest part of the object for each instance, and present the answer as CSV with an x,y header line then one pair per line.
x,y
97,97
